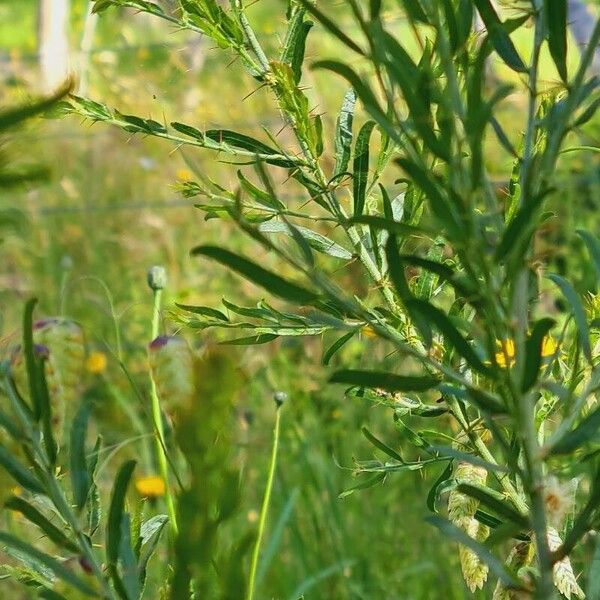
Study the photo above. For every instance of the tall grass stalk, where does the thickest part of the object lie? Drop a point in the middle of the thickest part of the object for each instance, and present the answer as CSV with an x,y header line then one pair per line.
x,y
264,510
157,419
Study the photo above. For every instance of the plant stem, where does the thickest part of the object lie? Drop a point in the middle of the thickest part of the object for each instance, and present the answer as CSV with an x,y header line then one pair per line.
x,y
265,506
158,423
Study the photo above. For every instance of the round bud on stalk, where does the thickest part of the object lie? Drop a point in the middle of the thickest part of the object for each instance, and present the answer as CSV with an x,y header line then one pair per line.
x,y
280,398
172,366
157,278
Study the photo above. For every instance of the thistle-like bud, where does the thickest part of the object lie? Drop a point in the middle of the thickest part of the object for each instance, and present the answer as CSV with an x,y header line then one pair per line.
x,y
157,278
65,342
280,398
172,367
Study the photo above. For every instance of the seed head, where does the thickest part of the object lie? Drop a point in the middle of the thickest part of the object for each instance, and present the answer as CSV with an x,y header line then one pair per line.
x,y
157,278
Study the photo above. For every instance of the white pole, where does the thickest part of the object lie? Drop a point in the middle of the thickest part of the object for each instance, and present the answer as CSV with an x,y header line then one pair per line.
x,y
53,43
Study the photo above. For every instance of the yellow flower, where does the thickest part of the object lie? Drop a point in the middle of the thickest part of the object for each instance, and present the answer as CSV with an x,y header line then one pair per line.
x,y
151,486
549,346
368,331
506,356
184,175
96,363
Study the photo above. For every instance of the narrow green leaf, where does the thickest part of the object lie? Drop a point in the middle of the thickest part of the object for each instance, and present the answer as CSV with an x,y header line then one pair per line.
x,y
499,38
390,382
80,478
205,311
10,117
30,358
593,246
381,445
398,277
573,300
584,432
343,133
330,25
556,18
24,477
449,331
433,492
458,535
363,484
498,504
593,584
414,11
245,142
115,512
273,283
57,568
395,227
363,91
32,514
336,346
315,240
294,46
533,352
150,535
252,340
361,166
438,203
50,445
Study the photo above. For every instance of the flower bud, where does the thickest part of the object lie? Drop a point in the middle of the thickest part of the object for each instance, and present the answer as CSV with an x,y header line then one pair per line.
x,y
64,340
280,398
157,278
172,367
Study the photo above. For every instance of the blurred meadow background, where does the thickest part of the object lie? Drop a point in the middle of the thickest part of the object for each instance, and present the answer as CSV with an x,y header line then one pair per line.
x,y
83,238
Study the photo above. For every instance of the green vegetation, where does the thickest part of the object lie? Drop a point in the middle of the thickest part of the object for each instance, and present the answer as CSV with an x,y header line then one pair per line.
x,y
419,277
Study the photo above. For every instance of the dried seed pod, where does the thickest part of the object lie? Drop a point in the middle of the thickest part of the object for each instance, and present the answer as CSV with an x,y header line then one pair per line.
x,y
461,511
172,367
460,505
564,577
475,572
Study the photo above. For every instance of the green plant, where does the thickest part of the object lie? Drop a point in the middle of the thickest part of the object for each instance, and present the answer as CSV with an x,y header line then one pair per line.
x,y
67,513
458,286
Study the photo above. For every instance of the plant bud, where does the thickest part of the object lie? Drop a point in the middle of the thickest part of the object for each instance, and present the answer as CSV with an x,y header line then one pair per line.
x,y
64,340
157,278
172,367
280,398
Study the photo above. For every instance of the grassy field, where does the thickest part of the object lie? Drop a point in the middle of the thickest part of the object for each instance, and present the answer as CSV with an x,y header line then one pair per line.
x,y
110,209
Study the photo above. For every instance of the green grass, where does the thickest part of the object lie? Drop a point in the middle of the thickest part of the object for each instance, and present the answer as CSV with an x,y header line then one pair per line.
x,y
109,211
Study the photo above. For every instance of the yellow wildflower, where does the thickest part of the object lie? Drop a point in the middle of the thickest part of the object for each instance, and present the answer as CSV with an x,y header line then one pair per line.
x,y
506,356
184,175
96,363
549,346
368,331
151,486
